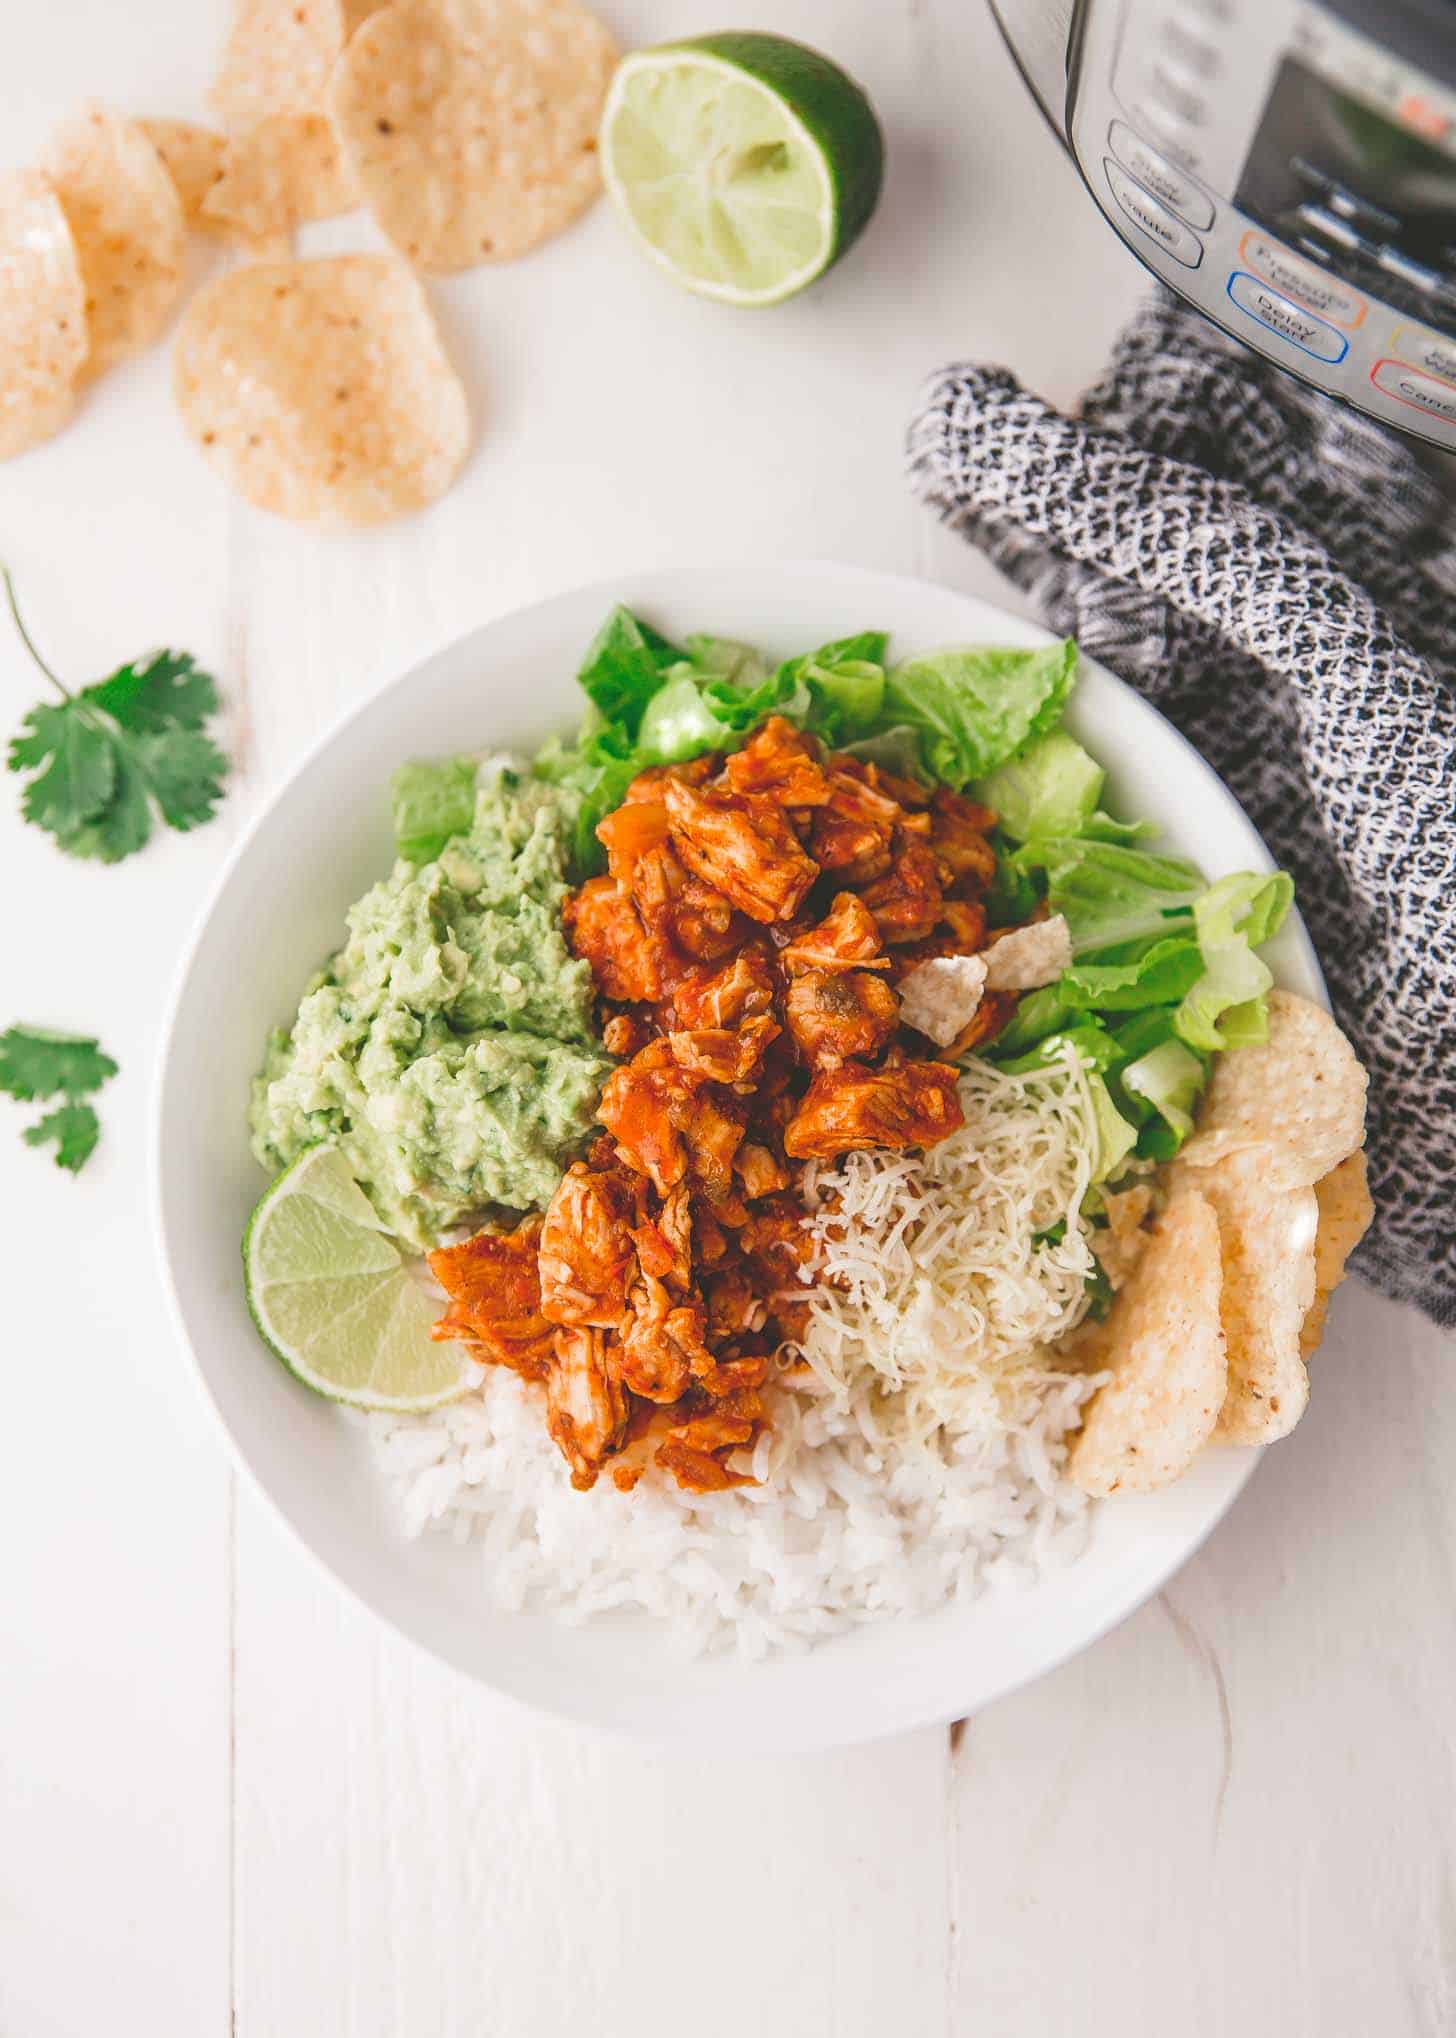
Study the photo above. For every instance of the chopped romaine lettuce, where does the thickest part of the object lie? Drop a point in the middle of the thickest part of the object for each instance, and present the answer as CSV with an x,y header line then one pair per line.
x,y
1115,1137
1224,1006
429,803
1154,971
974,709
1169,1078
1110,893
724,658
1052,788
681,720
1096,1047
623,668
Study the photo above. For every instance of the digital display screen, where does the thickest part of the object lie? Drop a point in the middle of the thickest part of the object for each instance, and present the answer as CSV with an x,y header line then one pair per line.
x,y
1357,191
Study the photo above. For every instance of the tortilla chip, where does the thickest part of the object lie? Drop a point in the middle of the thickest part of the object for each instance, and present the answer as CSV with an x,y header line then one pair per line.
x,y
1163,1342
319,389
1025,958
1121,1245
282,172
1266,1225
1301,1092
193,156
279,56
1345,1213
470,125
126,218
43,341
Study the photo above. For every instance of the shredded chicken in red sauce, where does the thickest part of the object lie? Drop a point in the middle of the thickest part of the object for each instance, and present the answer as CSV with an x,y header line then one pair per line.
x,y
756,914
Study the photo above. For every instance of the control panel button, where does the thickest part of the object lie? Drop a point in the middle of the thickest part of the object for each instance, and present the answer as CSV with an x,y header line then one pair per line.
x,y
1153,218
1426,350
1162,178
1289,320
1421,392
1308,285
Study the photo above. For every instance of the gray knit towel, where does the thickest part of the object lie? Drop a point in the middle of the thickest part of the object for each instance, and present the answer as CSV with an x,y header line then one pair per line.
x,y
1279,576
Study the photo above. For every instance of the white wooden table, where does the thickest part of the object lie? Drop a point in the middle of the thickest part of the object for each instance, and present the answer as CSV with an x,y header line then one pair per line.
x,y
228,1802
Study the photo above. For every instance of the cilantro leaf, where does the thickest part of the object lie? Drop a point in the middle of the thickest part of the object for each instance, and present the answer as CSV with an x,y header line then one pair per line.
x,y
111,759
120,829
34,1062
169,690
75,1128
183,771
80,775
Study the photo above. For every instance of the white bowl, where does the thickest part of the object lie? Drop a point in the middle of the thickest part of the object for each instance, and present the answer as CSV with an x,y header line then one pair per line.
x,y
279,909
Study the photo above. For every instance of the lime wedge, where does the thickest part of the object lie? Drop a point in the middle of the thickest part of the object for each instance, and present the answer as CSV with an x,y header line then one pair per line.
x,y
746,164
335,1298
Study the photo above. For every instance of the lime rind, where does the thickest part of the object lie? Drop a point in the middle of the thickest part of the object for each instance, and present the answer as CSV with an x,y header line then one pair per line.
x,y
335,1300
745,164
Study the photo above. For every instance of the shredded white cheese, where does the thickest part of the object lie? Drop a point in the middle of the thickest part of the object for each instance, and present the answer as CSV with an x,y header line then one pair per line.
x,y
934,1297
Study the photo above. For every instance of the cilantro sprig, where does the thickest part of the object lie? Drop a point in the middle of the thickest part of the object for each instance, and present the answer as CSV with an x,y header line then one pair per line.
x,y
37,1065
111,759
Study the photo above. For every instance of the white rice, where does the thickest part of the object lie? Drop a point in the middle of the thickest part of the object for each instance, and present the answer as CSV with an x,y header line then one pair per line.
x,y
837,1533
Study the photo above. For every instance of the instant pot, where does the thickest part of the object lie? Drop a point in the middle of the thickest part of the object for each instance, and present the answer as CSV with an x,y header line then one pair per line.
x,y
1289,168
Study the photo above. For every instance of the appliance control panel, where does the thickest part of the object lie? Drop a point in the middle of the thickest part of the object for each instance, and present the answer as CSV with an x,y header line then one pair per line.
x,y
1293,179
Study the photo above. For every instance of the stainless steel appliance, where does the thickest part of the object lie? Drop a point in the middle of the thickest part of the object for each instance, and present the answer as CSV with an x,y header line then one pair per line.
x,y
1289,167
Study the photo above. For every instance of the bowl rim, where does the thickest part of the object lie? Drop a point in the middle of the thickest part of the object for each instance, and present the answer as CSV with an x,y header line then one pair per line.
x,y
608,590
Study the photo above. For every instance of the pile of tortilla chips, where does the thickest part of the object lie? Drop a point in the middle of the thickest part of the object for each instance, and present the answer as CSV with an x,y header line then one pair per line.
x,y
317,388
1221,1297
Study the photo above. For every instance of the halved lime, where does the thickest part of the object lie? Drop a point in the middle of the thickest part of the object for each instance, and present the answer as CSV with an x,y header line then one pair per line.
x,y
335,1298
746,164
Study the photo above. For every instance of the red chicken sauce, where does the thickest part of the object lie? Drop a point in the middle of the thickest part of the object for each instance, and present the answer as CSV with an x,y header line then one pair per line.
x,y
756,914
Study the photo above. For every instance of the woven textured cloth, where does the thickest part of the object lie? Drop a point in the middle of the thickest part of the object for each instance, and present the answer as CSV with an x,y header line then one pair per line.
x,y
1279,576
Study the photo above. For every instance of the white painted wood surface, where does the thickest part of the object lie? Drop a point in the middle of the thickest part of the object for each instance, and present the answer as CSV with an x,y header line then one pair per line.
x,y
229,1804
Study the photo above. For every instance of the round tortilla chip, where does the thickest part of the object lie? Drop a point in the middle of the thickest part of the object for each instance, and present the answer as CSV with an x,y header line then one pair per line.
x,y
282,172
1345,1214
320,390
278,59
193,156
43,337
1163,1342
1300,1093
1266,1227
470,125
126,218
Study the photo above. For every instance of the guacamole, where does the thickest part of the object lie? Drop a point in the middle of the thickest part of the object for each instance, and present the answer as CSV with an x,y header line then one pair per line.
x,y
448,1048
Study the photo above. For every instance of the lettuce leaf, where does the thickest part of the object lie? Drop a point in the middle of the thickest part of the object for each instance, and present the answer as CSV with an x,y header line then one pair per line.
x,y
724,658
1225,1005
623,668
1159,971
974,709
1051,789
1169,1078
1110,893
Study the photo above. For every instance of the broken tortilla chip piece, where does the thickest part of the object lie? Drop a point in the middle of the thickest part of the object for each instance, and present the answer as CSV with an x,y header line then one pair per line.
x,y
126,219
1025,958
278,59
1162,1341
43,340
281,173
1120,1246
320,390
470,125
1345,1213
1299,1093
193,157
1266,1226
